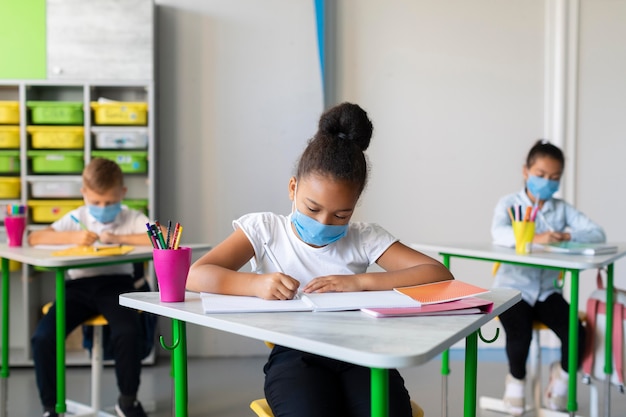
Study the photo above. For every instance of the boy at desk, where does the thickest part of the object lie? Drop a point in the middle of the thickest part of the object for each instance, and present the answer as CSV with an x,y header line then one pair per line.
x,y
93,291
318,249
556,221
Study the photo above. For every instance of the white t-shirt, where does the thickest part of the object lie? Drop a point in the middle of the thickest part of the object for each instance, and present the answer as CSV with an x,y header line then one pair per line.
x,y
353,254
127,222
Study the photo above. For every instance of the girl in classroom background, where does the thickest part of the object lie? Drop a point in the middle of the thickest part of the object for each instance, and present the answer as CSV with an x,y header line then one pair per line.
x,y
317,248
556,221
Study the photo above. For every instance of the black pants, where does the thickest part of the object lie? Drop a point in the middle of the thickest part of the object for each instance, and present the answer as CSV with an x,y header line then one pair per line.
x,y
518,321
85,298
299,384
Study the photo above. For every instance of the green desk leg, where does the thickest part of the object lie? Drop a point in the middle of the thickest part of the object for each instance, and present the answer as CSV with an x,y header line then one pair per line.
x,y
4,370
179,333
572,366
471,366
60,318
380,392
608,343
445,361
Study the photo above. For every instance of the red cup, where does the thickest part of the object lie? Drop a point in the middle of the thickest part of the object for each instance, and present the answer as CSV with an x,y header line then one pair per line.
x,y
15,227
172,267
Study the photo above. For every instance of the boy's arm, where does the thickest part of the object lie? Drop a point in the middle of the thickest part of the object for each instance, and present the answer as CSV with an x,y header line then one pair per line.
x,y
49,236
137,239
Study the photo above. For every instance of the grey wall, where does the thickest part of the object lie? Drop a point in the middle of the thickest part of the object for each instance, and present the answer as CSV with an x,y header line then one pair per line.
x,y
455,89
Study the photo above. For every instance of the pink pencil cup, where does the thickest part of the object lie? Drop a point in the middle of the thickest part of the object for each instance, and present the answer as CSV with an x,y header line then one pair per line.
x,y
171,267
15,227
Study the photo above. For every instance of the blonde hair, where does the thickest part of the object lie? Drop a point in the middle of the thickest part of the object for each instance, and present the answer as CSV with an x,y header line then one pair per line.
x,y
101,175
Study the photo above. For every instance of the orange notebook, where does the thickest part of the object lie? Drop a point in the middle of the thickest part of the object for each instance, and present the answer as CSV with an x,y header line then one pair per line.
x,y
440,292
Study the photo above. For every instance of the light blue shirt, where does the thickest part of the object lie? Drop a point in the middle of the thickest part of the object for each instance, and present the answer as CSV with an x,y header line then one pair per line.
x,y
555,215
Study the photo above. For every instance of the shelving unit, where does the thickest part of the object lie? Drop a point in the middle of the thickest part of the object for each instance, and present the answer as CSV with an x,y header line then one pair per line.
x,y
88,51
43,209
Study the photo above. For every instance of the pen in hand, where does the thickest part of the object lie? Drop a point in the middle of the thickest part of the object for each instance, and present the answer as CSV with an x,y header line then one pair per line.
x,y
82,226
273,259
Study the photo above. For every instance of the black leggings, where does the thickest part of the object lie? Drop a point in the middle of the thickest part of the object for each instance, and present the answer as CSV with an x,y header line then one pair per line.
x,y
518,322
85,298
299,384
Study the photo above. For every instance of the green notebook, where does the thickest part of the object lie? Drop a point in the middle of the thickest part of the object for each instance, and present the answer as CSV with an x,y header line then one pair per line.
x,y
578,248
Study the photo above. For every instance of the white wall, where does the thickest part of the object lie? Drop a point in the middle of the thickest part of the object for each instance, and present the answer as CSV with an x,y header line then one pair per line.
x,y
455,90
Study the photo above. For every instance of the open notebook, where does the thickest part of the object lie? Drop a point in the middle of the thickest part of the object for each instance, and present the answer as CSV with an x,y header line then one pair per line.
x,y
334,301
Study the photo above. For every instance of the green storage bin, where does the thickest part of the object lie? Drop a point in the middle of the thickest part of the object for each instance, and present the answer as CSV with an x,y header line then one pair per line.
x,y
9,162
56,112
140,204
61,162
131,162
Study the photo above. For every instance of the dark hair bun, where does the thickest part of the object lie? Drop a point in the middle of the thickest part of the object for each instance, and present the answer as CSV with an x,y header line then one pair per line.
x,y
347,121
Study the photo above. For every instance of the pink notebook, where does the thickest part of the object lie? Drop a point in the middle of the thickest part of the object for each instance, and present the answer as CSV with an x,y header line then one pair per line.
x,y
470,305
442,291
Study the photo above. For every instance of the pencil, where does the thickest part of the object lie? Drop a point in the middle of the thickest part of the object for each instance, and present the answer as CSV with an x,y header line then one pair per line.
x,y
270,255
78,222
177,241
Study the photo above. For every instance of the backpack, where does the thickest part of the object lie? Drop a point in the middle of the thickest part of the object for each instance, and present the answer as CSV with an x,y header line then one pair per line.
x,y
593,359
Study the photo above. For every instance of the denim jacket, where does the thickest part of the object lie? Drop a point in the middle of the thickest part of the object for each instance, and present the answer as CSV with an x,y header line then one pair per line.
x,y
556,215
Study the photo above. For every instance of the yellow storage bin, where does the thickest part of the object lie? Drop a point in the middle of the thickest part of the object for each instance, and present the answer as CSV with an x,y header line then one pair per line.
x,y
57,137
9,112
120,113
10,187
13,266
9,137
48,211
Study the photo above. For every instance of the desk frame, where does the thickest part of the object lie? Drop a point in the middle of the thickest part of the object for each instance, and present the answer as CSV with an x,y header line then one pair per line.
x,y
312,332
566,263
43,258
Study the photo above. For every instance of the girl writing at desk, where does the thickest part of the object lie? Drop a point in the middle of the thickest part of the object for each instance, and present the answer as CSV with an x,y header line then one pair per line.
x,y
317,248
556,221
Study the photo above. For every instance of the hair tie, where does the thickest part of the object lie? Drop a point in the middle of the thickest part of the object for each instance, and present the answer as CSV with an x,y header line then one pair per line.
x,y
341,135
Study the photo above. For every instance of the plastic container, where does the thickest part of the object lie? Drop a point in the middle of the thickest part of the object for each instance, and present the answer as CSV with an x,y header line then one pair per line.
x,y
57,162
138,204
124,138
48,211
56,112
10,162
120,113
60,189
57,137
9,112
131,162
10,187
9,137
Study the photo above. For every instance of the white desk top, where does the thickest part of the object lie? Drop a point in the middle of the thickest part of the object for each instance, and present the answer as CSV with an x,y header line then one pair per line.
x,y
43,257
540,258
350,336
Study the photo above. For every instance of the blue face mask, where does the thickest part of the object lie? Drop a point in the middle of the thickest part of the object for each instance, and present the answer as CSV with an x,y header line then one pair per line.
x,y
542,188
105,214
315,233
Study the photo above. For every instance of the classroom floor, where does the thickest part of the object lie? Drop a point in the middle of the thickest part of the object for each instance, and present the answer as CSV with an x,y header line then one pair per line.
x,y
224,387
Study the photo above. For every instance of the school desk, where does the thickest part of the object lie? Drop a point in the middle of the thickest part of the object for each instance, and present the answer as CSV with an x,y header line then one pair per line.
x,y
44,258
350,336
573,264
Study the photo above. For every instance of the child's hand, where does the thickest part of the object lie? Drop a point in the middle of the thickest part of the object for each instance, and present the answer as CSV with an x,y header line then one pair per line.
x,y
551,237
276,286
84,238
334,283
108,237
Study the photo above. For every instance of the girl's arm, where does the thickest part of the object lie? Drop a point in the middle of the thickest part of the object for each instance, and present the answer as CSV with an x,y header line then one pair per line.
x,y
218,272
403,267
582,228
